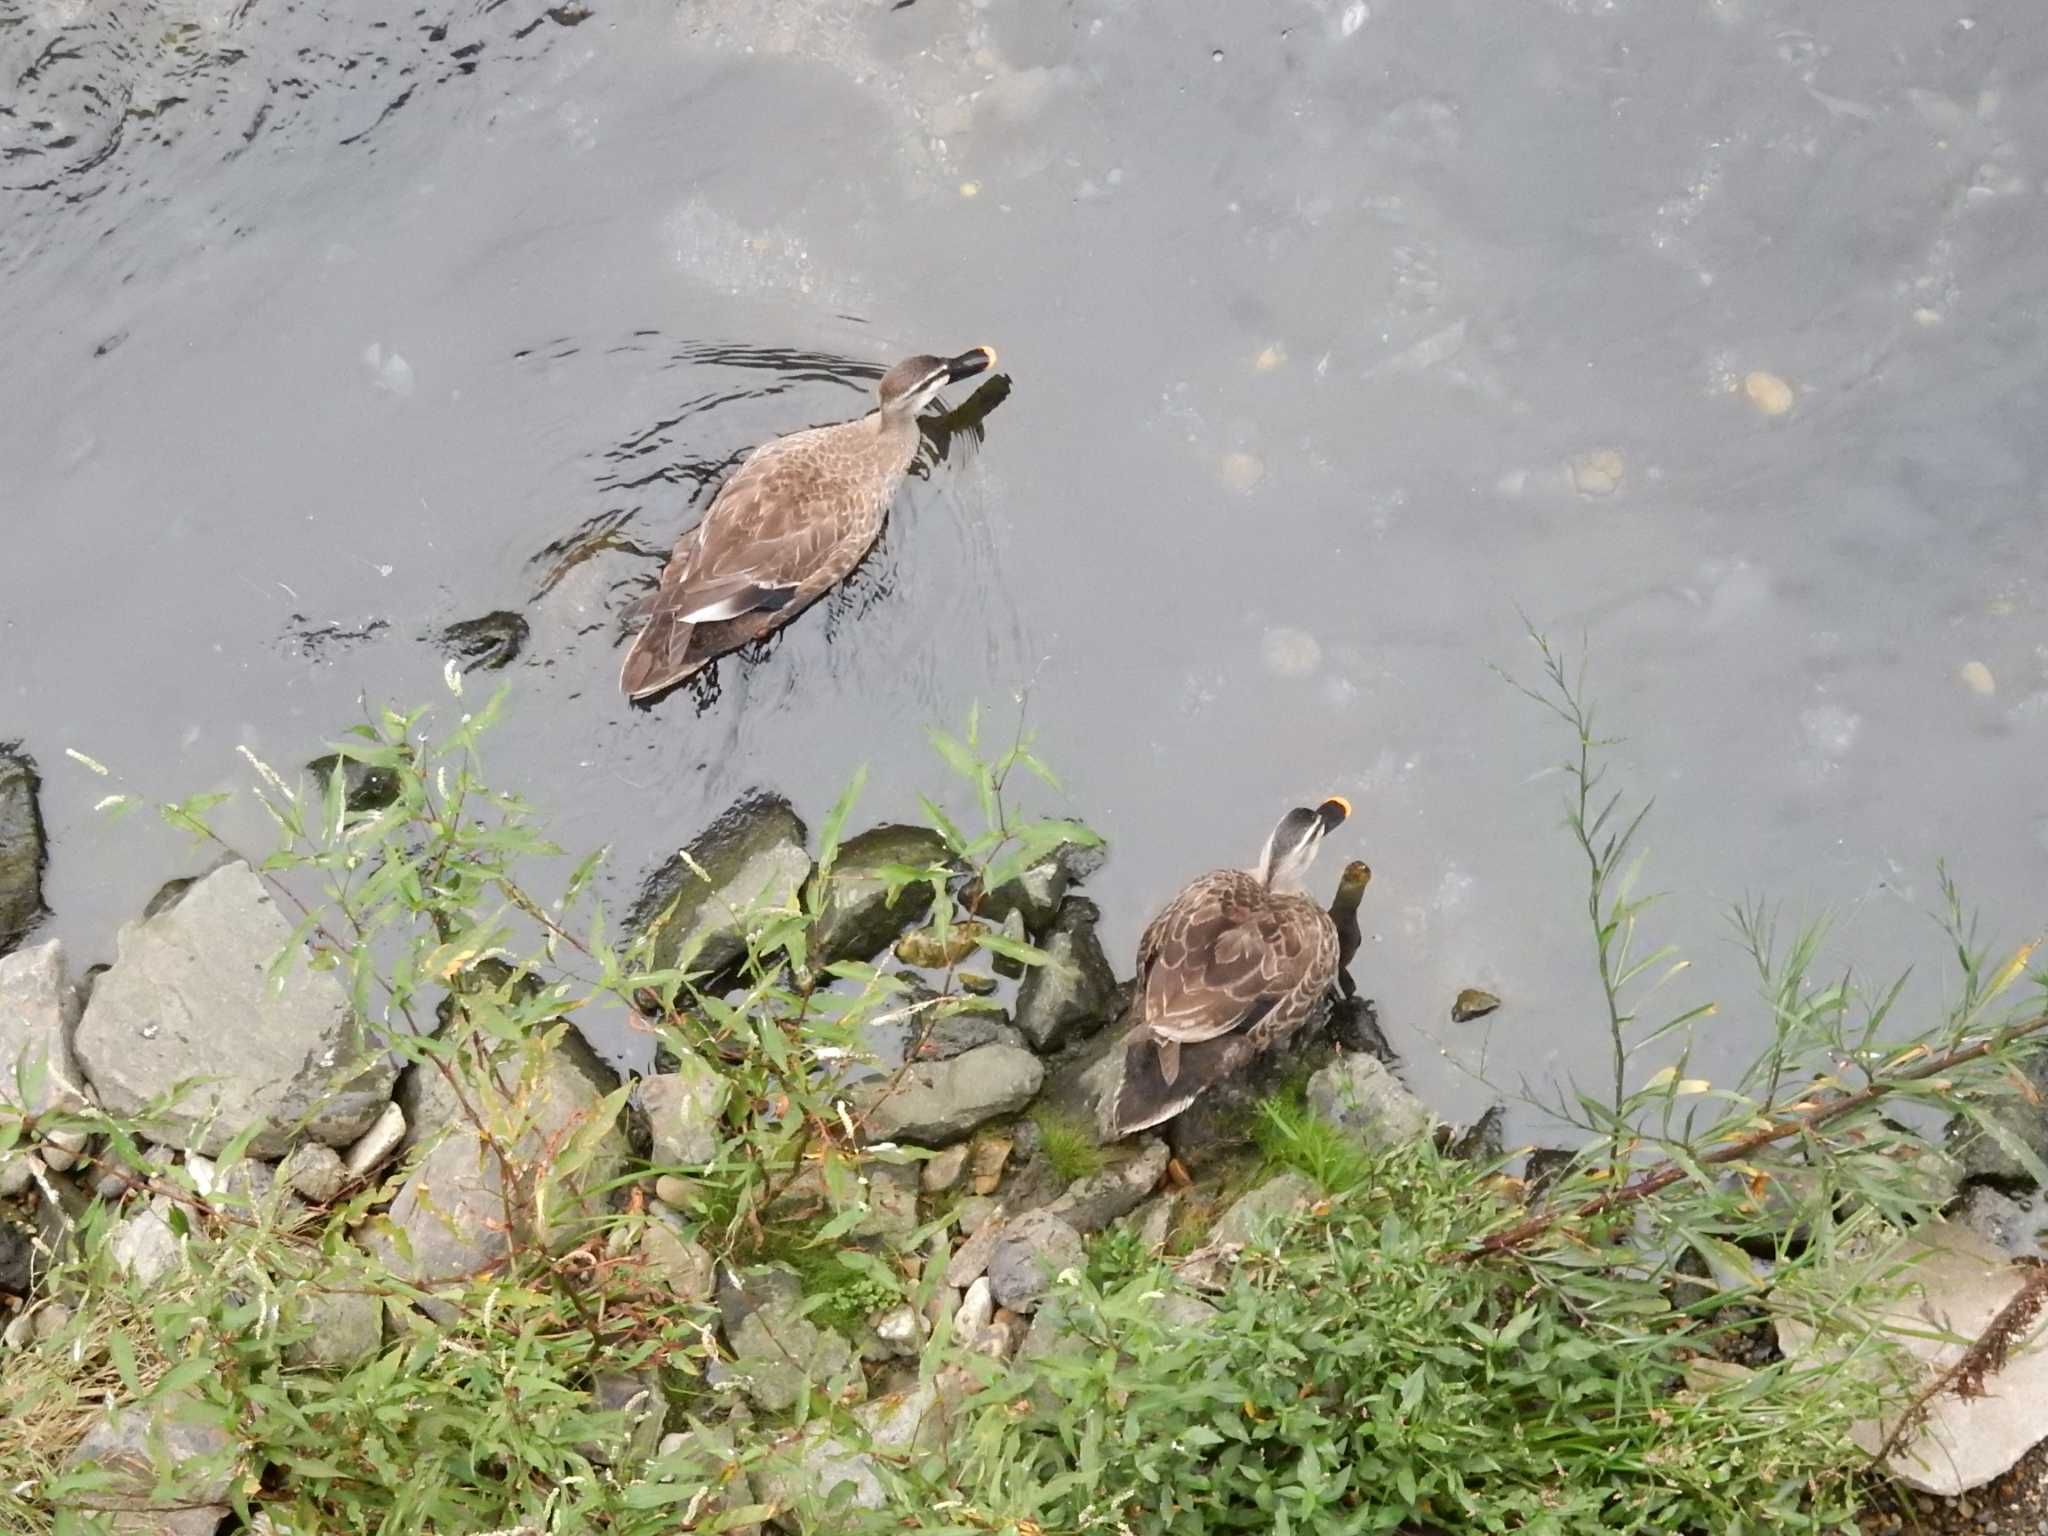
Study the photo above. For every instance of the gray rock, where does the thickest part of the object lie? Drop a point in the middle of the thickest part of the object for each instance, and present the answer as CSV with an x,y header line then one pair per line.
x,y
1253,1216
2016,1225
858,920
143,1246
1092,1203
900,1331
346,1328
2025,1120
38,1015
934,1103
188,998
1075,993
1152,1222
917,1420
682,1263
1360,1095
376,1146
743,1292
942,1171
779,1357
427,1100
17,1259
752,857
813,1481
1029,1253
61,1149
706,1455
970,1260
636,1397
974,1214
314,1171
1037,893
942,1037
21,850
451,1217
684,1109
166,1468
18,1171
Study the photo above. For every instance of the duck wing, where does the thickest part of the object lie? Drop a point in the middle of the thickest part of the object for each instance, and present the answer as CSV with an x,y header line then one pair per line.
x,y
1221,957
775,536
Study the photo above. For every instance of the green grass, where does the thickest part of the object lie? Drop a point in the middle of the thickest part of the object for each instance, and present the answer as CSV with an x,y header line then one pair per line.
x,y
1067,1146
1290,1136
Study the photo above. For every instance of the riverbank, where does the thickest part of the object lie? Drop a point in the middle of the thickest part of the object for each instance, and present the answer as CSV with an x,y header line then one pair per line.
x,y
322,1214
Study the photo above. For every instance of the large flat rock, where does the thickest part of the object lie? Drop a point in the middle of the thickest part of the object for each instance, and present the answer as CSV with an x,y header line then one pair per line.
x,y
189,999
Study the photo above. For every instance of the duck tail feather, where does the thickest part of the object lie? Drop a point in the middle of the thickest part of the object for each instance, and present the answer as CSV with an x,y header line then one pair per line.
x,y
659,657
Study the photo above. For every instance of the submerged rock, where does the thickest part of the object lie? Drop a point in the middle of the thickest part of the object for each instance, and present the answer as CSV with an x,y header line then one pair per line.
x,y
490,642
930,949
685,1109
165,1467
189,997
934,1103
1472,1003
1075,992
21,849
858,919
752,858
363,788
452,1217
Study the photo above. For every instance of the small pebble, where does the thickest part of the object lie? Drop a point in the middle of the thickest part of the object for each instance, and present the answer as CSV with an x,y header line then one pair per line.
x,y
377,1143
1768,393
61,1150
315,1172
1978,679
986,1165
943,1171
675,1191
1472,1004
1597,472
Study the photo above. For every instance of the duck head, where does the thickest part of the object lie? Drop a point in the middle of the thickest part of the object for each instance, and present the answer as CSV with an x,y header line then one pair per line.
x,y
909,387
1292,848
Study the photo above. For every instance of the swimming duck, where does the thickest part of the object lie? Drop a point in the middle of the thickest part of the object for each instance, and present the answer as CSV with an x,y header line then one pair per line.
x,y
1230,968
790,524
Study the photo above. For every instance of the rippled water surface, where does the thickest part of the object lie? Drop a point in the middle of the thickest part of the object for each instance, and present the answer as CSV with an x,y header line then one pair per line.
x,y
1335,332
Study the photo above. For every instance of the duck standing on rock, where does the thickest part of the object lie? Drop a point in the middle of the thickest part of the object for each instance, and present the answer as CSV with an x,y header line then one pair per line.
x,y
1230,968
791,523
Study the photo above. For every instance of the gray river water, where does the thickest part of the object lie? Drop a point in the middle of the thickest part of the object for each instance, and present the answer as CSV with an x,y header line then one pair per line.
x,y
1337,333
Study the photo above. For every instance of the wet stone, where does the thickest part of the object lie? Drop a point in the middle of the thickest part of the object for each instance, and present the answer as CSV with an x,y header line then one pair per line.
x,y
21,849
165,1467
364,789
1037,893
859,920
1075,992
752,858
1472,1003
489,642
189,997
